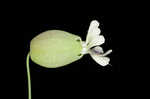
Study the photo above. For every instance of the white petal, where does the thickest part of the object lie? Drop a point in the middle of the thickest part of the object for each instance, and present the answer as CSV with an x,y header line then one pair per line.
x,y
94,24
98,49
96,31
97,40
103,61
93,30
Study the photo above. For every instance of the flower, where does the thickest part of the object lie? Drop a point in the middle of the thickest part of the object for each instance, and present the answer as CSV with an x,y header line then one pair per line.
x,y
92,45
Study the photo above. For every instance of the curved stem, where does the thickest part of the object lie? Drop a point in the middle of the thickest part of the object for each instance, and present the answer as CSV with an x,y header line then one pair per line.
x,y
28,76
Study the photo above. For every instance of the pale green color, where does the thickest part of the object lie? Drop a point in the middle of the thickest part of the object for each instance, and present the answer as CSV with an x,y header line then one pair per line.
x,y
55,48
28,76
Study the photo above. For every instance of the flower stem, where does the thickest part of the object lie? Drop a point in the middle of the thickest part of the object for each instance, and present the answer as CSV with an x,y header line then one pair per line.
x,y
28,76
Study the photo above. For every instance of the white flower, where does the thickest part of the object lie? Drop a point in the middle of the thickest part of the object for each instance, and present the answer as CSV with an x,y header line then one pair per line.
x,y
92,44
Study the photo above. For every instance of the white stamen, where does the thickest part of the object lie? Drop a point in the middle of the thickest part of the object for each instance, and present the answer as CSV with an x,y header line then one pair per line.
x,y
106,53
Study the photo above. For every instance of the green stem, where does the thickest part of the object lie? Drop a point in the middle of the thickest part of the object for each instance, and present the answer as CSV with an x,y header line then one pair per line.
x,y
28,76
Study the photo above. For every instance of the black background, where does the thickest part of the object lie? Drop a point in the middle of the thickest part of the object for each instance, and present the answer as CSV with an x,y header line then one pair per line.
x,y
47,82
41,77
77,25
24,20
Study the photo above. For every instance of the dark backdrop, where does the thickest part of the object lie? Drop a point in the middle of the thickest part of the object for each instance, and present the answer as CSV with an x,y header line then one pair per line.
x,y
76,21
77,25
